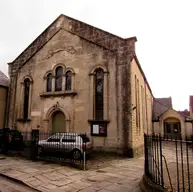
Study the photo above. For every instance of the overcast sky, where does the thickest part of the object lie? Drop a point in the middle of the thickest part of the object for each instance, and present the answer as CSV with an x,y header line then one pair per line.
x,y
163,29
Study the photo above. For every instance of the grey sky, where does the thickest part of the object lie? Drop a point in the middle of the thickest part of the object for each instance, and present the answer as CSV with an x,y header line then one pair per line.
x,y
163,29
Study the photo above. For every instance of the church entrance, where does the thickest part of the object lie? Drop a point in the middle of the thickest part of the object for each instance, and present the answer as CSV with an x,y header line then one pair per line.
x,y
58,122
172,128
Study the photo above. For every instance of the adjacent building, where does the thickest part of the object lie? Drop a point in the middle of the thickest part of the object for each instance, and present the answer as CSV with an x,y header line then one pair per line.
x,y
170,123
4,84
77,78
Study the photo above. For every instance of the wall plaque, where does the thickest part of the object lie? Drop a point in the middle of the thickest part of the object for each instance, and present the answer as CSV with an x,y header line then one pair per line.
x,y
35,113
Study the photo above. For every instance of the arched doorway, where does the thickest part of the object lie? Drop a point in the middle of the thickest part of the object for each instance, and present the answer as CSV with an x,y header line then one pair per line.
x,y
58,122
172,128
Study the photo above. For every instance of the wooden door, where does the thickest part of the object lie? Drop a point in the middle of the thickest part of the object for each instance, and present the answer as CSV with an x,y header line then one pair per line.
x,y
58,122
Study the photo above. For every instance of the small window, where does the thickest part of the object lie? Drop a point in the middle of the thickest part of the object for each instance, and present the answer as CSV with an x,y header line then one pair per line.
x,y
68,80
49,83
68,138
58,80
55,138
176,128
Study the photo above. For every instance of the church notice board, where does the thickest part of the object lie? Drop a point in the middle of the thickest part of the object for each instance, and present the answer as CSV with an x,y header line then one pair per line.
x,y
99,129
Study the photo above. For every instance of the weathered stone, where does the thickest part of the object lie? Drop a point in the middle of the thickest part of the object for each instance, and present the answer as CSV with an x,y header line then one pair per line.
x,y
80,48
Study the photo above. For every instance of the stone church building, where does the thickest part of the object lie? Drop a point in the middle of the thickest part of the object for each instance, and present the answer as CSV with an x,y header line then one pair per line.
x,y
77,78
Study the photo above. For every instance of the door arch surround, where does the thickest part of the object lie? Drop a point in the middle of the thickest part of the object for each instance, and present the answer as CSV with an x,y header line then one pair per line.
x,y
49,115
172,128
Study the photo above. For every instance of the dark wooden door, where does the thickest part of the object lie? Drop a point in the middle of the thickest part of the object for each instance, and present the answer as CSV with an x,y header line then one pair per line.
x,y
172,130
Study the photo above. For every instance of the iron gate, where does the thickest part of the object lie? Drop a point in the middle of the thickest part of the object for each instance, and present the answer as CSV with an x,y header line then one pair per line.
x,y
169,162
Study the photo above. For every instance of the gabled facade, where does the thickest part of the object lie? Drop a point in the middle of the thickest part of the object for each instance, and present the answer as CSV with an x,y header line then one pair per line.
x,y
77,78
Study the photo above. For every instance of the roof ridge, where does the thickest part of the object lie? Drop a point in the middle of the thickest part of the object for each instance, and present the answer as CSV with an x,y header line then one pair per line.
x,y
128,38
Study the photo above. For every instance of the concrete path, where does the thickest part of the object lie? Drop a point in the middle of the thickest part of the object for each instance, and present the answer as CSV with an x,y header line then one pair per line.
x,y
123,176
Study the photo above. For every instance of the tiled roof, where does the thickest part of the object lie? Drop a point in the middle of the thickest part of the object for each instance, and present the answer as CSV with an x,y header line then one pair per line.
x,y
185,113
4,80
161,105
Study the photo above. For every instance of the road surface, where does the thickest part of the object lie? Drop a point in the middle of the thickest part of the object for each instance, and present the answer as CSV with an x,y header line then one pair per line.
x,y
11,186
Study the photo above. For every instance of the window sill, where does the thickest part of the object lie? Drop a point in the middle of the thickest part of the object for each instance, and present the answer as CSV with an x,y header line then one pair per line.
x,y
23,120
58,93
98,121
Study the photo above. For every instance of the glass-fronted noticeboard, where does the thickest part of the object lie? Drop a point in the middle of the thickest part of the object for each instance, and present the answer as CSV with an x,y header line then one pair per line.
x,y
99,129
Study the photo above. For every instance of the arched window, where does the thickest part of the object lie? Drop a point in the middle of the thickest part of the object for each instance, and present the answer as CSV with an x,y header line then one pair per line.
x,y
68,84
99,91
26,98
49,83
58,82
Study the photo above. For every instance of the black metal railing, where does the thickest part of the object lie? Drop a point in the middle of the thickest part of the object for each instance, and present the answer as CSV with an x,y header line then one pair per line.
x,y
169,162
60,147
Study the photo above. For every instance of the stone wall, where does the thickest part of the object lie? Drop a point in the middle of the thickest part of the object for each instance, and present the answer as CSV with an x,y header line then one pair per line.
x,y
86,57
144,111
92,47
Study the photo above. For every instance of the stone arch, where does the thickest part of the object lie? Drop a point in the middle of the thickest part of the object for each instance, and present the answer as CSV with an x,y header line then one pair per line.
x,y
27,114
71,70
48,72
27,77
51,111
171,119
172,127
71,84
58,65
92,109
98,67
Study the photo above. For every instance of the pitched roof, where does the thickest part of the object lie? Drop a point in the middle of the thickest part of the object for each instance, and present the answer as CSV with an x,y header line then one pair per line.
x,y
185,113
161,105
4,80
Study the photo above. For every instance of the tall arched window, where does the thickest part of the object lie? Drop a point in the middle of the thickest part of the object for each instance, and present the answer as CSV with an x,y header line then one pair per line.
x,y
26,98
99,91
68,84
49,83
58,82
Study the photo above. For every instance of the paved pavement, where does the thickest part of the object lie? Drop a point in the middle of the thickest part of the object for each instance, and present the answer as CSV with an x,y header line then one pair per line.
x,y
123,176
10,186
